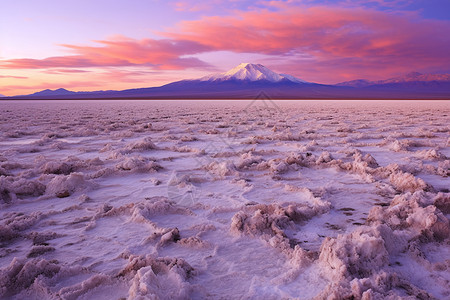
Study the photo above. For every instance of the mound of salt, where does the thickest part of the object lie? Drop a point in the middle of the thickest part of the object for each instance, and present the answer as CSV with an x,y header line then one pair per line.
x,y
142,212
355,255
56,167
221,169
20,274
15,223
406,182
11,187
415,214
158,277
65,185
138,163
247,160
431,154
141,145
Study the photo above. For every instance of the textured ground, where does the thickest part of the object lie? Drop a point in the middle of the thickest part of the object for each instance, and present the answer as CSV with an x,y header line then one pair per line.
x,y
224,200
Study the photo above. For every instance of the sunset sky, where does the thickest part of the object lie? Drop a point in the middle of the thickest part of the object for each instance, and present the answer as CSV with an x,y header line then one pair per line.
x,y
87,45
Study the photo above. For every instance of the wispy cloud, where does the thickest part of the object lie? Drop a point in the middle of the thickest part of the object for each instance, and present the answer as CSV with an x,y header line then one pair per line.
x,y
13,77
65,71
164,54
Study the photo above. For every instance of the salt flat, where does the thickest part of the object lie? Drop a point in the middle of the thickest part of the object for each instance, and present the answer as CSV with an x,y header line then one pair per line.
x,y
224,199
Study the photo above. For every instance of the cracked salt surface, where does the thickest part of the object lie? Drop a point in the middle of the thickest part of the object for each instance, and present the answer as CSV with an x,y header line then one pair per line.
x,y
219,199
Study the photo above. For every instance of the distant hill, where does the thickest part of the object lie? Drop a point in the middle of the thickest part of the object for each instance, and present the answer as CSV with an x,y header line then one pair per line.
x,y
249,81
50,93
412,79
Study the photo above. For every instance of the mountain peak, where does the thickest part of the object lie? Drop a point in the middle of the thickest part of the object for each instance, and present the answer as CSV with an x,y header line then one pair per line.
x,y
251,72
245,65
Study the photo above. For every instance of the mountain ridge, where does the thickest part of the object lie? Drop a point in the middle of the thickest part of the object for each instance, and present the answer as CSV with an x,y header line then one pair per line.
x,y
247,81
55,92
410,77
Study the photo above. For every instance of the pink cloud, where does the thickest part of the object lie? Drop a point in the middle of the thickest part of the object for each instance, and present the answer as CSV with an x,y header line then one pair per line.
x,y
344,40
127,76
13,77
74,61
161,54
63,71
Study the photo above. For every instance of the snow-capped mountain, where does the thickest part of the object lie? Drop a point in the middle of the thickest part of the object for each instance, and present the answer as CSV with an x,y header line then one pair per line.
x,y
251,72
250,81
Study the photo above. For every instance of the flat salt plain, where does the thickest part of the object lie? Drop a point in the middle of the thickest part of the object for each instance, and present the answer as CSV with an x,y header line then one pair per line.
x,y
224,199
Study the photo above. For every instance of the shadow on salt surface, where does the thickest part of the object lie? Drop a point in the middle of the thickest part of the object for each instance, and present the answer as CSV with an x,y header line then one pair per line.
x,y
247,268
434,279
436,181
446,150
351,199
110,237
385,156
133,187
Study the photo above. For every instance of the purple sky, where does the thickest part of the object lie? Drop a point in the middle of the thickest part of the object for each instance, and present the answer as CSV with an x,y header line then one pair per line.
x,y
92,45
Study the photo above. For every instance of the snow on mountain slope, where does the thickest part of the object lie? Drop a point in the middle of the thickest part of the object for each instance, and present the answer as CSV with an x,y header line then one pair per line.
x,y
251,72
293,78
